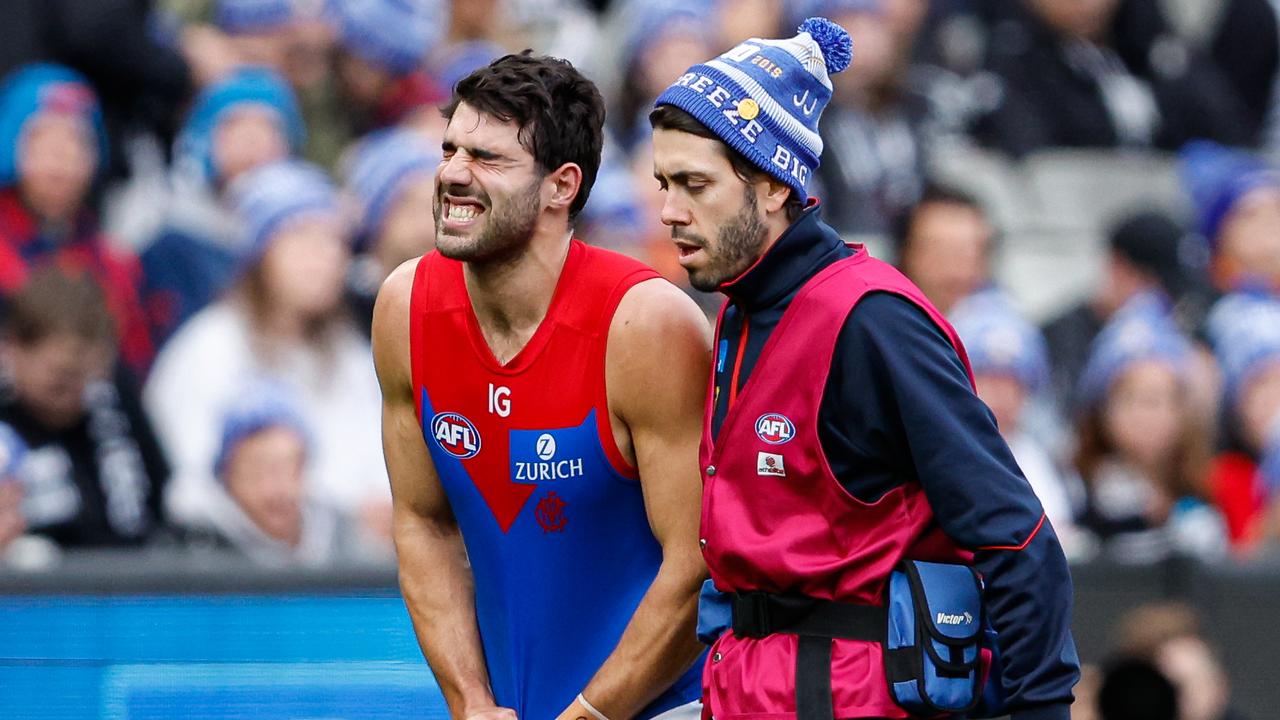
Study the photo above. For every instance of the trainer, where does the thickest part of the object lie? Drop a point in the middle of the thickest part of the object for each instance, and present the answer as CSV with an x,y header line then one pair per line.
x,y
842,435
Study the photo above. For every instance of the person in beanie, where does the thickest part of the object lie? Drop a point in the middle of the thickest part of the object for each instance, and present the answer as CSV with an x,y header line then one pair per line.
x,y
281,321
843,434
392,181
1244,330
248,119
264,468
53,146
1142,449
383,46
258,30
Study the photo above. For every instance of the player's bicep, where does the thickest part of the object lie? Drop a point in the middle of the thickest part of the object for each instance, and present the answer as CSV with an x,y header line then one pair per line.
x,y
659,365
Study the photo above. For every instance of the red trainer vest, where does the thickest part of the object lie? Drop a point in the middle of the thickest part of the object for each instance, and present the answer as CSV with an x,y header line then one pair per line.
x,y
775,519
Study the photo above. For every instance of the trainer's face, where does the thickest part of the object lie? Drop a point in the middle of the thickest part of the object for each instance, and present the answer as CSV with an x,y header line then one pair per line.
x,y
715,217
488,189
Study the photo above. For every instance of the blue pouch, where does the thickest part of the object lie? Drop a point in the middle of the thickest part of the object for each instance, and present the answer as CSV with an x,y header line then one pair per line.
x,y
715,613
937,630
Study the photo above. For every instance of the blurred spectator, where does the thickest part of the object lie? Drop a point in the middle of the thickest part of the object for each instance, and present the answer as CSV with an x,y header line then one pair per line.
x,y
662,40
244,121
264,510
141,76
1010,366
1245,43
1237,202
878,125
383,45
1244,329
94,472
392,181
52,146
281,322
1144,255
1134,689
1143,452
945,244
1169,635
1103,73
12,453
260,31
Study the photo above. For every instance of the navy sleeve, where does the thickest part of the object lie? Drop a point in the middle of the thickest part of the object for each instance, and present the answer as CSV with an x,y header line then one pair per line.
x,y
900,399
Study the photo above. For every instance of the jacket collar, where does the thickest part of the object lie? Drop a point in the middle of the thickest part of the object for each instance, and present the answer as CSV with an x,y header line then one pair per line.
x,y
802,250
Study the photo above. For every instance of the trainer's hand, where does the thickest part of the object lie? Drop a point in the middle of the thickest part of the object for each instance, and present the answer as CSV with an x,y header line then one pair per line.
x,y
496,713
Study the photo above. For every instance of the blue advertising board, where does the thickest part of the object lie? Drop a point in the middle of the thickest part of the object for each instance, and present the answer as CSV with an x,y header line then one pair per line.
x,y
285,657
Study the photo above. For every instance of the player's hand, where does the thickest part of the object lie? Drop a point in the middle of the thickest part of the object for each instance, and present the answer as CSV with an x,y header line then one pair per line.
x,y
576,712
496,713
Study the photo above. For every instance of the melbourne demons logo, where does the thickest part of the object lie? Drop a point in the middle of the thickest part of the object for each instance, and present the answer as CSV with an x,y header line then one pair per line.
x,y
455,435
774,429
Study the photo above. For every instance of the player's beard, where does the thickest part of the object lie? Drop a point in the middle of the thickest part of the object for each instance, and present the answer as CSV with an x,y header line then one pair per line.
x,y
737,246
508,225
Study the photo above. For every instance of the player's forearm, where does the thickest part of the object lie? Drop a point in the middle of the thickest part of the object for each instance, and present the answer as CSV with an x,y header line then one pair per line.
x,y
658,646
438,590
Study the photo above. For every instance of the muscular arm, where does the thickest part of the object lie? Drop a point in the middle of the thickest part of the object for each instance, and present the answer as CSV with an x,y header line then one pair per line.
x,y
434,576
657,369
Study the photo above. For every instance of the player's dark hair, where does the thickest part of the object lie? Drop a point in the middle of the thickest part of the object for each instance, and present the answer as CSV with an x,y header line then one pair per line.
x,y
670,117
559,111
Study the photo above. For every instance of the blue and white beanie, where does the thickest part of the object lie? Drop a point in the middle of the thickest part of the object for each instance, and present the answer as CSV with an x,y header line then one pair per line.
x,y
394,35
245,87
1244,329
270,196
763,98
245,17
1142,330
38,88
382,164
999,341
12,451
262,406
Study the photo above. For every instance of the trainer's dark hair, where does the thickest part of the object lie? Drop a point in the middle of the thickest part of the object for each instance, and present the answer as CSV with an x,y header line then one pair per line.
x,y
560,112
670,117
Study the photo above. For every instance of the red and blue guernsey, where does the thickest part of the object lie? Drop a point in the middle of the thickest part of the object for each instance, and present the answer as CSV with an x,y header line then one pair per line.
x,y
551,513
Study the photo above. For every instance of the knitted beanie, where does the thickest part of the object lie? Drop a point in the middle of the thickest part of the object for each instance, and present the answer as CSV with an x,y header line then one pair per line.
x,y
252,16
763,98
270,196
44,88
394,35
382,164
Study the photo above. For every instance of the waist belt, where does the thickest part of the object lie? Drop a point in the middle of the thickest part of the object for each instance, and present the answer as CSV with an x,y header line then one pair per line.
x,y
817,623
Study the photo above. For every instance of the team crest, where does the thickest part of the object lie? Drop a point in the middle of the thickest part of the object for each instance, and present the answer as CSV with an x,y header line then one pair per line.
x,y
774,428
550,513
455,435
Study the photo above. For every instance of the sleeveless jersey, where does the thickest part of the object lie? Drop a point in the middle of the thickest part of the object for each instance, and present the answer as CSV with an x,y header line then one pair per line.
x,y
551,514
775,518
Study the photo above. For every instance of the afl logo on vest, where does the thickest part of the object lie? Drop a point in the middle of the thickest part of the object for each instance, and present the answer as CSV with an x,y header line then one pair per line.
x,y
774,429
455,435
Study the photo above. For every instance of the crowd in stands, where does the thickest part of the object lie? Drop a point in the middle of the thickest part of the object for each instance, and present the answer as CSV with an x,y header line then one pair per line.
x,y
200,198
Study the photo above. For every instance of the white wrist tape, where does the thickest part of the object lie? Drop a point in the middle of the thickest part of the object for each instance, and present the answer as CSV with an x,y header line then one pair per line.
x,y
591,708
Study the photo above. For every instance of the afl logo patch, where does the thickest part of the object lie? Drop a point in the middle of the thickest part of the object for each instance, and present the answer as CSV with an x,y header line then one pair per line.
x,y
774,429
455,435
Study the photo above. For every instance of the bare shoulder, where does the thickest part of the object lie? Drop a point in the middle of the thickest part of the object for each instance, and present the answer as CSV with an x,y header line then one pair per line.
x,y
654,314
391,323
659,351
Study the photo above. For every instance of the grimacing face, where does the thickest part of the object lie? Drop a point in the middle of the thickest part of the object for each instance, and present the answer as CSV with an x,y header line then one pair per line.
x,y
714,215
488,189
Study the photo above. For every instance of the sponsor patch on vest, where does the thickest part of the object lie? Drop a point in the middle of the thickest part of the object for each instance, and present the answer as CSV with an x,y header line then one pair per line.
x,y
539,456
948,619
455,435
774,428
770,464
